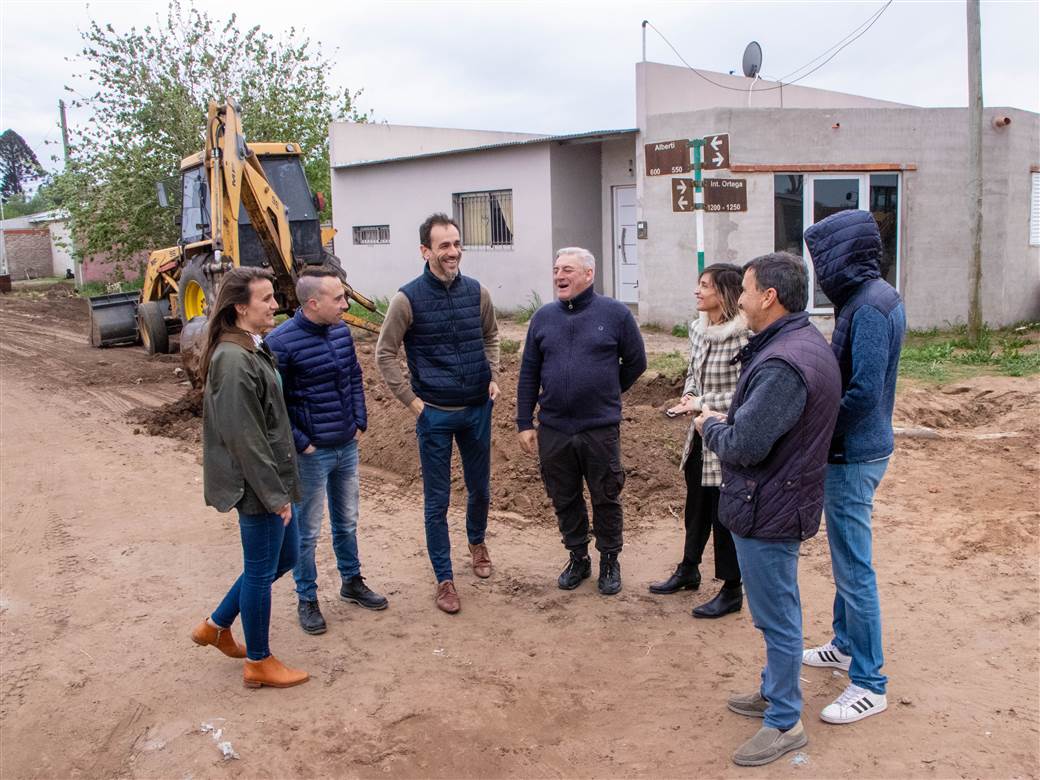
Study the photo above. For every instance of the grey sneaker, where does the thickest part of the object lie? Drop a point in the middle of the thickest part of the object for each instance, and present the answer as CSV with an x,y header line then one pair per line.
x,y
750,704
769,744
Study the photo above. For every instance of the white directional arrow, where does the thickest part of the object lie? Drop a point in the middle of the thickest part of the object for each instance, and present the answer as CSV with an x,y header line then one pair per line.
x,y
716,142
682,202
717,159
681,186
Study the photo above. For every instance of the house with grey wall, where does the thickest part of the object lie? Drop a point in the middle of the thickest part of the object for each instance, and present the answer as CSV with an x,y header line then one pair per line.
x,y
802,154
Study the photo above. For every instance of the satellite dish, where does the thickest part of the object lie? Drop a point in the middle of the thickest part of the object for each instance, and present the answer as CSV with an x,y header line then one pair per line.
x,y
752,59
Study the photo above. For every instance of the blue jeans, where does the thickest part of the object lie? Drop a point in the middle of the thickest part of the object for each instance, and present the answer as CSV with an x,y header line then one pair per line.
x,y
770,570
269,550
848,500
331,471
471,430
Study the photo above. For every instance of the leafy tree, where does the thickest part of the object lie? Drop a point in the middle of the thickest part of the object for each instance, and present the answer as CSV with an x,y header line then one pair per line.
x,y
151,88
18,165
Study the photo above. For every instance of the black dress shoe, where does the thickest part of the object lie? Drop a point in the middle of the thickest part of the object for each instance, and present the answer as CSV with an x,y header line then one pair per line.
x,y
685,578
356,591
609,574
579,567
726,600
311,620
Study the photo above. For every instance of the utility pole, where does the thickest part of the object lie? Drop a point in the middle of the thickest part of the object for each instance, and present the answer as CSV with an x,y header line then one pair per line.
x,y
64,131
975,322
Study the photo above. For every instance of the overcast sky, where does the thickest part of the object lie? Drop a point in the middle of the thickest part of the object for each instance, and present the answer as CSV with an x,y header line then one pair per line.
x,y
554,67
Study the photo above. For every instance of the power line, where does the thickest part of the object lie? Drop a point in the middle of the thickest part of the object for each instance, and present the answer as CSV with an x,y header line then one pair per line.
x,y
858,32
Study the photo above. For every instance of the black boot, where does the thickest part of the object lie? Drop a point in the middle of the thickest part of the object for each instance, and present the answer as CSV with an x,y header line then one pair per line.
x,y
686,577
579,567
311,620
609,574
356,591
729,599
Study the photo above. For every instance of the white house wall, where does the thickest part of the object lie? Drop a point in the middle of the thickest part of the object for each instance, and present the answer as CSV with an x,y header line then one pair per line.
x,y
402,194
576,204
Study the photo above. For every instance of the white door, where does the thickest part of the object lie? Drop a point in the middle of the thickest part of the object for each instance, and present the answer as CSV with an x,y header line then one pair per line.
x,y
626,251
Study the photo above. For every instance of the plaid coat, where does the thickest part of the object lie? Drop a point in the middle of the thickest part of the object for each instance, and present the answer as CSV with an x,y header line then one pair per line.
x,y
713,378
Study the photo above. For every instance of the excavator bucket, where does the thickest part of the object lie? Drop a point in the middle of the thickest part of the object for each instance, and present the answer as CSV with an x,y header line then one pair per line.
x,y
193,344
113,319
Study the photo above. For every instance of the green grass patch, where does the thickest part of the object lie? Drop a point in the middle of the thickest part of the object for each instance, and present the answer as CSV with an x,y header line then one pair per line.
x,y
670,364
382,304
681,330
942,356
94,289
509,346
526,311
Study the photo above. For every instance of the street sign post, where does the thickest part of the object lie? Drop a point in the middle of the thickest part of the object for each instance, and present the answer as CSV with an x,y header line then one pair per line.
x,y
667,157
716,151
725,195
682,194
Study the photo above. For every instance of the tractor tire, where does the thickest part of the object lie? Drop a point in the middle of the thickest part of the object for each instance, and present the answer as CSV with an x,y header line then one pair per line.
x,y
152,328
195,291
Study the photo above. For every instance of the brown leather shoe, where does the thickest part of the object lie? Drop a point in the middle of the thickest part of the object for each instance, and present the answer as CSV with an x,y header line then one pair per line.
x,y
271,672
481,560
220,638
448,597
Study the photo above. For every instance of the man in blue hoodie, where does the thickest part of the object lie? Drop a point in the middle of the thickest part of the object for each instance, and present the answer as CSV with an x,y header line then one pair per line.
x,y
581,353
869,323
321,381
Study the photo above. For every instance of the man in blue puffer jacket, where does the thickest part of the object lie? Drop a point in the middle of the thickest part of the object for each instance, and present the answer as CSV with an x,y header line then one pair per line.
x,y
869,323
321,380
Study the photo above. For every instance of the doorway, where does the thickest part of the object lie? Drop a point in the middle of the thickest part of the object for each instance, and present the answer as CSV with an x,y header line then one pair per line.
x,y
626,250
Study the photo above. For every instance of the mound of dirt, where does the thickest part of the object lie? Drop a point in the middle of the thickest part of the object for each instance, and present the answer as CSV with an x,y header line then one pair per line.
x,y
979,402
651,443
180,419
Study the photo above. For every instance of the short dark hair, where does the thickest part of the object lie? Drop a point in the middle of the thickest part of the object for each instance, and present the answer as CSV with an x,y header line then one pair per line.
x,y
427,227
786,274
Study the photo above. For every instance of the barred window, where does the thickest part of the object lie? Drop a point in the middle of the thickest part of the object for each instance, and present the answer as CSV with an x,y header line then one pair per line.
x,y
371,234
485,218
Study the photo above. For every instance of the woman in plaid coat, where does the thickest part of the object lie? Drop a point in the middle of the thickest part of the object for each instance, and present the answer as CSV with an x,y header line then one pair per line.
x,y
716,337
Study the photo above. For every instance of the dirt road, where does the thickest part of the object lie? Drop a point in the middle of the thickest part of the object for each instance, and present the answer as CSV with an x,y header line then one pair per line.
x,y
109,557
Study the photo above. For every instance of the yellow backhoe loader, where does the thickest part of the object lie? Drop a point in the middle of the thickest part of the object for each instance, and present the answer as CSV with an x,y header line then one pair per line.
x,y
240,205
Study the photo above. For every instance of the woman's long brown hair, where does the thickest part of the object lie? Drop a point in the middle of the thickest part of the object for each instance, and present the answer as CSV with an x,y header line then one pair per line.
x,y
235,288
727,280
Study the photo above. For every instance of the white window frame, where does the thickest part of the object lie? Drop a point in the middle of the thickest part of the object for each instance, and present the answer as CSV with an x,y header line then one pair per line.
x,y
1034,210
382,235
808,197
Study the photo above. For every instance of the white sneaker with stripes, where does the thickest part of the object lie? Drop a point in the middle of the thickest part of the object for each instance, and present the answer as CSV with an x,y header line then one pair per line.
x,y
854,704
827,655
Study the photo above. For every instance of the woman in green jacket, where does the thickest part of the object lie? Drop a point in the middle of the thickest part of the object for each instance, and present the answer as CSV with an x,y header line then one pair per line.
x,y
248,463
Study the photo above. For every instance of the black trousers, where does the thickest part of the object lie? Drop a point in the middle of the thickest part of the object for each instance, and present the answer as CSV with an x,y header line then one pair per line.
x,y
568,463
701,516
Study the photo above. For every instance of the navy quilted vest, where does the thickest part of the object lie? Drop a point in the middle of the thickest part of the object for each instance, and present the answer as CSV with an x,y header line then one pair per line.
x,y
782,497
445,344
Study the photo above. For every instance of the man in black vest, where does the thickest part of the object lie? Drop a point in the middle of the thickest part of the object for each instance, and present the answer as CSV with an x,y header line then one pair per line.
x,y
447,324
773,448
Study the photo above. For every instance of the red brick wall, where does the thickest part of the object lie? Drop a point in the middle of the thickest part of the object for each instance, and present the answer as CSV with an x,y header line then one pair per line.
x,y
100,268
29,250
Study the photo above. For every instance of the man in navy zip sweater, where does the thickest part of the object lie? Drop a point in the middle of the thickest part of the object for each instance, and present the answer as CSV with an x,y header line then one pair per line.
x,y
869,323
321,381
582,352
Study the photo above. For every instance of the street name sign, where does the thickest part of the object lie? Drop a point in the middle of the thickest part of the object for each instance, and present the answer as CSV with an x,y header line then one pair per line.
x,y
725,194
716,151
667,157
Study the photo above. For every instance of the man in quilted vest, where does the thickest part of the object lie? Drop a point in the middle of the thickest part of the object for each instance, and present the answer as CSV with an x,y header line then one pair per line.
x,y
869,323
447,324
321,381
773,450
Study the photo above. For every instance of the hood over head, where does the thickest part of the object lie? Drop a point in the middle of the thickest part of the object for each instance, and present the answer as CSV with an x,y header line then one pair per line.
x,y
846,252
